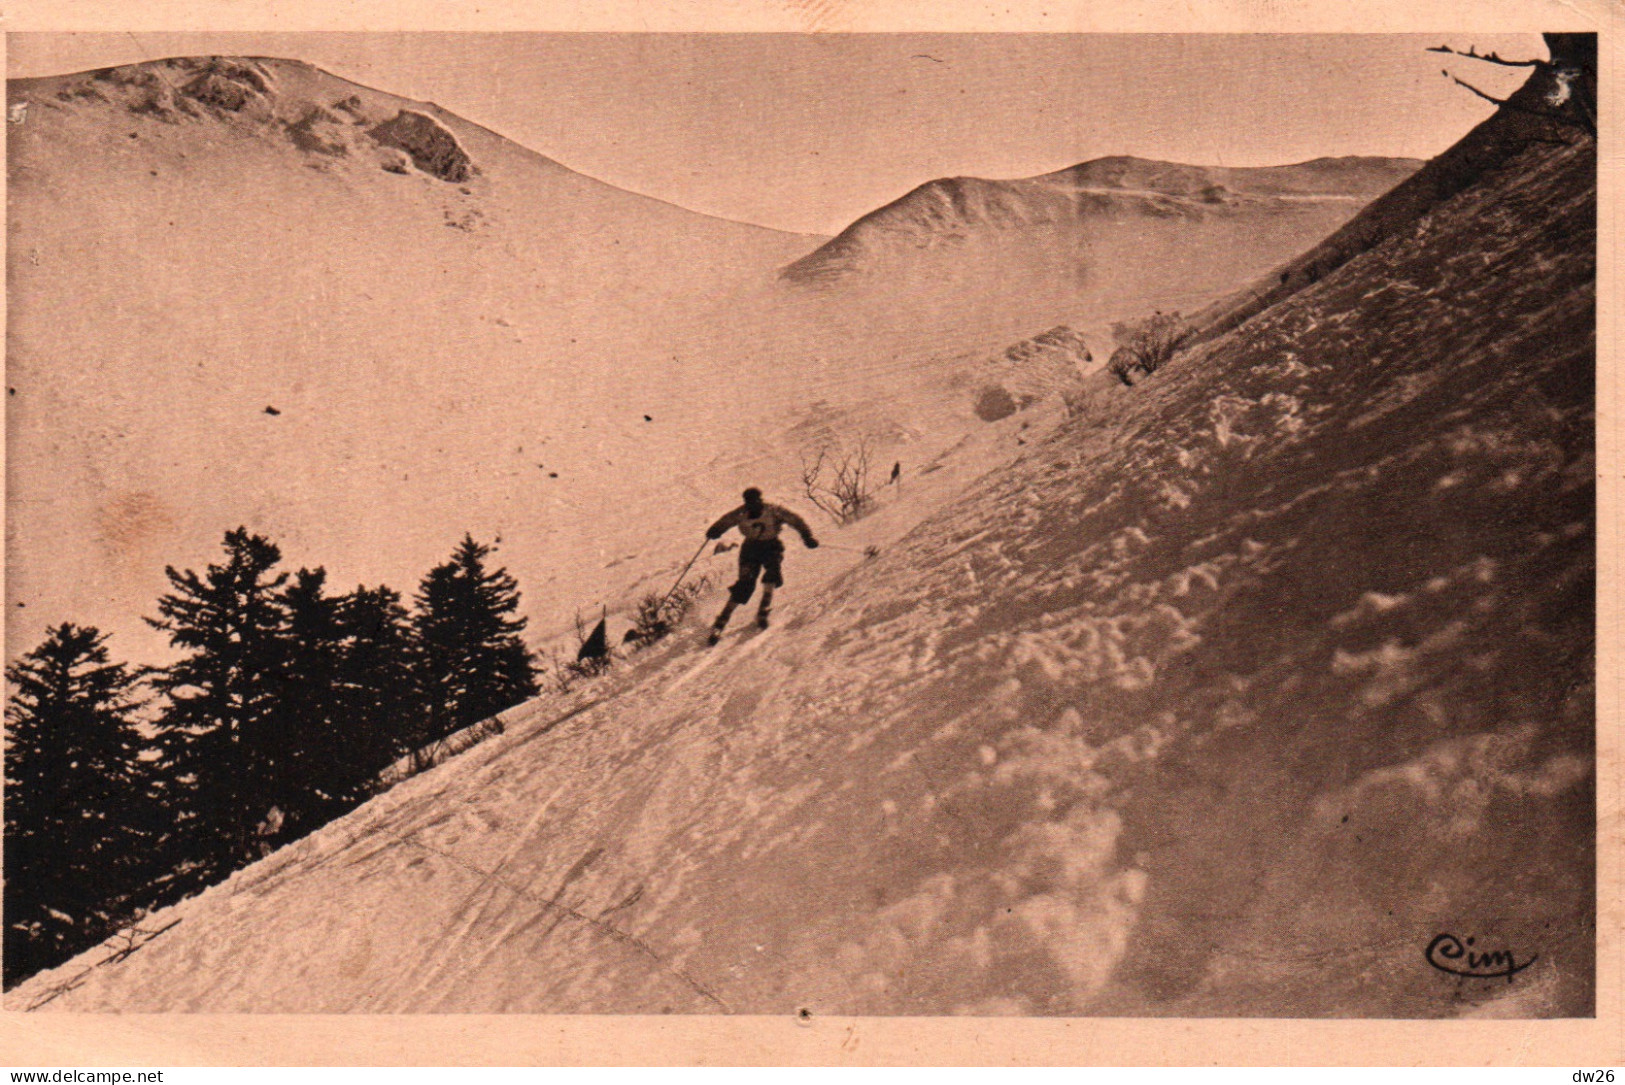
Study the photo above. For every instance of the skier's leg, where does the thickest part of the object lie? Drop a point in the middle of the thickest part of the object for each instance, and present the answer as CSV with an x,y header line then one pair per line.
x,y
772,577
722,620
739,594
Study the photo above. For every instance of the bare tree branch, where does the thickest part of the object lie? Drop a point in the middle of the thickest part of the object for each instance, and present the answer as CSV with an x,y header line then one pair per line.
x,y
837,481
1472,53
1587,121
1588,125
812,485
1475,90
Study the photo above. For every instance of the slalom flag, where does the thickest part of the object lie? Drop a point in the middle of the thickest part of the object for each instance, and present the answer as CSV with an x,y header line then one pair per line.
x,y
595,646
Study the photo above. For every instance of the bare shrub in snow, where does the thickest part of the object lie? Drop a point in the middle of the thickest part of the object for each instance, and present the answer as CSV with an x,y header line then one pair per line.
x,y
558,672
836,478
655,617
566,671
1147,344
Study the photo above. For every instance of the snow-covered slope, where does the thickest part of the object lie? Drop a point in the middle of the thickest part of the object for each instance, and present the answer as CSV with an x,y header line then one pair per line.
x,y
456,334
1229,697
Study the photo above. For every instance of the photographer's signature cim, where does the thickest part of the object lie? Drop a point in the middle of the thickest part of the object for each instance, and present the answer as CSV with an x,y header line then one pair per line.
x,y
1457,956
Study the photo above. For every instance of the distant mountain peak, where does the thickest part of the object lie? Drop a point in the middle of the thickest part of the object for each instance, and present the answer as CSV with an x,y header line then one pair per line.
x,y
949,211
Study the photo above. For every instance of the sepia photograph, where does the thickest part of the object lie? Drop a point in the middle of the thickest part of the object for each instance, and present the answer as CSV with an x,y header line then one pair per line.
x,y
884,525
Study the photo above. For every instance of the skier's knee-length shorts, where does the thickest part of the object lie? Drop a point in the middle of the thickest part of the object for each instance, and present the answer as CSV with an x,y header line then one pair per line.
x,y
758,557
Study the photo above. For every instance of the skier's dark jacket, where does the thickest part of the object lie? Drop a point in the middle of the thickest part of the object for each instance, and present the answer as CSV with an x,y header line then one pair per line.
x,y
762,527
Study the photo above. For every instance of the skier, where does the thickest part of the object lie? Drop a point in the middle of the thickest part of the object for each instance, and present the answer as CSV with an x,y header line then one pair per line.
x,y
762,554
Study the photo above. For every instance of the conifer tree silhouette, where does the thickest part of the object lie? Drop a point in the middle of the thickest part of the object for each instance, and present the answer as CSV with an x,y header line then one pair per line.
x,y
225,750
74,792
474,663
316,772
379,694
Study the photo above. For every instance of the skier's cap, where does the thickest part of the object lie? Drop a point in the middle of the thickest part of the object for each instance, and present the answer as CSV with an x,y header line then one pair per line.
x,y
753,494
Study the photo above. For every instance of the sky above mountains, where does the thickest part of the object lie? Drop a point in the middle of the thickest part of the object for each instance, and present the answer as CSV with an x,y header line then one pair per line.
x,y
806,132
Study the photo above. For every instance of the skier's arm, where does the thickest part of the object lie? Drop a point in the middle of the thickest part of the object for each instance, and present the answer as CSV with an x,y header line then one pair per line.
x,y
716,530
800,525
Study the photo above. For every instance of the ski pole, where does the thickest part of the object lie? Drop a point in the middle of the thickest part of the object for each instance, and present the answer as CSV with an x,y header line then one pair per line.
x,y
867,551
686,568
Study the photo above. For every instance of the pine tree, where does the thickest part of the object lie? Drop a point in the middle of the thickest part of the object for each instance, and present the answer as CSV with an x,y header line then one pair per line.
x,y
73,793
314,775
380,702
474,663
224,751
